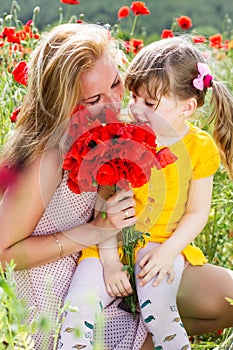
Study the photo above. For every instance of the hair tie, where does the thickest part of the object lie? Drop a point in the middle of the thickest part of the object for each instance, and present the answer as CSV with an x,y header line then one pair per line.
x,y
204,79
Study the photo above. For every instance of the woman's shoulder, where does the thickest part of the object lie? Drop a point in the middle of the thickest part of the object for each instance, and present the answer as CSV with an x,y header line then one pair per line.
x,y
43,173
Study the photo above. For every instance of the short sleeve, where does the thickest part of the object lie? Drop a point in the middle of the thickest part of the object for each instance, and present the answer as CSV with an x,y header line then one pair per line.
x,y
206,158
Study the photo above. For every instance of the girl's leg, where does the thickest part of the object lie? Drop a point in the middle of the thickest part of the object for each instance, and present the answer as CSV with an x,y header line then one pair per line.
x,y
87,292
159,309
201,298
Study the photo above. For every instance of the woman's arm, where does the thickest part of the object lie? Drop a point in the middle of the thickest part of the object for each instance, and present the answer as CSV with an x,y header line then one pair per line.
x,y
23,205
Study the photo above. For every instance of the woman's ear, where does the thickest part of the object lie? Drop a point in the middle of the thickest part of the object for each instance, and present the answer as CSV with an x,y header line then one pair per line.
x,y
189,107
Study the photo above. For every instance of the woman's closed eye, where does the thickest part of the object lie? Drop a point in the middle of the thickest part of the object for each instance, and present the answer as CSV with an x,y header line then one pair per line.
x,y
116,83
95,101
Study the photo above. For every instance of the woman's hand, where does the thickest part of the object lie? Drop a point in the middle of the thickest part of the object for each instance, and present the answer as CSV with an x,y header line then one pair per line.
x,y
116,212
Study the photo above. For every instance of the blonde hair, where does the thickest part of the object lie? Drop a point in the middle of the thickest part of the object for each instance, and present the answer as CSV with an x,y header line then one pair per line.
x,y
54,87
168,67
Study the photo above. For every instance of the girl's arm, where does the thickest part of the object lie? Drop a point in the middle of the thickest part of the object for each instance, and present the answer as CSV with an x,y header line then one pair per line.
x,y
160,261
116,281
23,205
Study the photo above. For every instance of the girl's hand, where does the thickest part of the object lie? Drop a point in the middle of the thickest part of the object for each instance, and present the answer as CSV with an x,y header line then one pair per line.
x,y
117,281
156,263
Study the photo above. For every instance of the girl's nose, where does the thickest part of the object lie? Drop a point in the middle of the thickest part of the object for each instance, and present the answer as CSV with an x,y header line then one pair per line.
x,y
136,108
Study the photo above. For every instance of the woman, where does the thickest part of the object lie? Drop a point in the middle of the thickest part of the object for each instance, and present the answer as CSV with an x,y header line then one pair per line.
x,y
44,224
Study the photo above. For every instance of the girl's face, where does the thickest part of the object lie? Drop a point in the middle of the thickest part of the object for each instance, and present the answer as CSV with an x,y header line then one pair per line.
x,y
102,87
164,118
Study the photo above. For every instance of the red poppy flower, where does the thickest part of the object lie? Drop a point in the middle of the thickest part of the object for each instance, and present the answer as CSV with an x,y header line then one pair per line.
x,y
70,2
14,115
11,35
134,45
20,73
137,44
216,41
165,157
123,12
139,8
199,39
167,33
184,22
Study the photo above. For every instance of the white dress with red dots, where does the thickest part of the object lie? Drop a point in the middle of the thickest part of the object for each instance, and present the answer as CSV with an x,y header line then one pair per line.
x,y
45,287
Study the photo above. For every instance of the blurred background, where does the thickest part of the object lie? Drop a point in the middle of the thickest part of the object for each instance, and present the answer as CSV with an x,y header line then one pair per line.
x,y
209,17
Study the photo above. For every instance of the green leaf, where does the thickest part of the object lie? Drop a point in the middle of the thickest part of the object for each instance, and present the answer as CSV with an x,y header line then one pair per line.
x,y
5,286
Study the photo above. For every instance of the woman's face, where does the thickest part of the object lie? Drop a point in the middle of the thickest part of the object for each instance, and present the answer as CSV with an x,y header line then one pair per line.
x,y
102,87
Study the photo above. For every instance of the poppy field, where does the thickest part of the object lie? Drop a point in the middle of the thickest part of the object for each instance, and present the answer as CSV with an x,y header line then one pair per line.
x,y
17,41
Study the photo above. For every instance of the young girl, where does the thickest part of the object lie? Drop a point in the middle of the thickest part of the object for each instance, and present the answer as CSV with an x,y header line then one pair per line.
x,y
169,80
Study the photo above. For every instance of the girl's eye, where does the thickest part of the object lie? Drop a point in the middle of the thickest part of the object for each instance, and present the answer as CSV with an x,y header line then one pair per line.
x,y
149,104
133,96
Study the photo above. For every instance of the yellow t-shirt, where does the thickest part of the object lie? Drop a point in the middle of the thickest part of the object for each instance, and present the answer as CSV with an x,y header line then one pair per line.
x,y
161,203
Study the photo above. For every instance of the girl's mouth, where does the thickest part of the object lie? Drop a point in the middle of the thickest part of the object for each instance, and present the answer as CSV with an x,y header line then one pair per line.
x,y
140,122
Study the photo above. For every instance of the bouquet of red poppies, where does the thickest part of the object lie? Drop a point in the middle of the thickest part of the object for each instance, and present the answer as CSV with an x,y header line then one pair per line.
x,y
114,154
120,155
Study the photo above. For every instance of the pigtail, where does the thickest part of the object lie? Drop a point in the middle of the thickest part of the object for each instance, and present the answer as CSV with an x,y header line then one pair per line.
x,y
222,115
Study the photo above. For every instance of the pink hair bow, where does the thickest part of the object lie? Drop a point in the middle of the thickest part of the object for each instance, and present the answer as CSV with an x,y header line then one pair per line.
x,y
204,78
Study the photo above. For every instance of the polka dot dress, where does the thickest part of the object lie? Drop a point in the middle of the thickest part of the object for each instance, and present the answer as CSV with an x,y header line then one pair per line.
x,y
44,287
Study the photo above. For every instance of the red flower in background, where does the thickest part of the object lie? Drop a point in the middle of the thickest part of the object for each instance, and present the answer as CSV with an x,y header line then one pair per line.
x,y
70,2
139,8
123,12
134,45
184,22
167,33
216,41
20,73
11,35
199,39
14,115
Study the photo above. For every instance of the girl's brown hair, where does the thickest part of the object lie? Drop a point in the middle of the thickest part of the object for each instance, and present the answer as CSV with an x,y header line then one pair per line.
x,y
168,67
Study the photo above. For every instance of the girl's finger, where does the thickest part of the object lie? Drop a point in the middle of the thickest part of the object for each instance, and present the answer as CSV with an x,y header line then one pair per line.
x,y
161,275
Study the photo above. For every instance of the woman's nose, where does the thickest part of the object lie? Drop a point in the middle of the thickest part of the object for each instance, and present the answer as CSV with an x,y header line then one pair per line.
x,y
112,98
